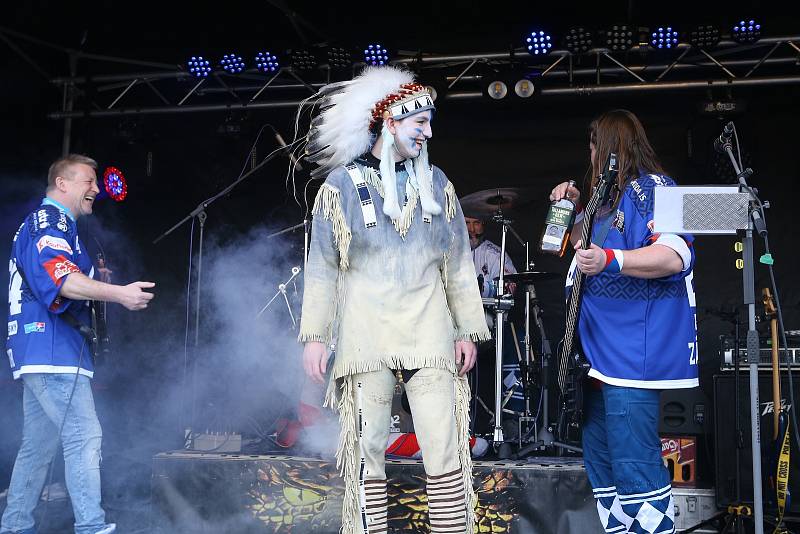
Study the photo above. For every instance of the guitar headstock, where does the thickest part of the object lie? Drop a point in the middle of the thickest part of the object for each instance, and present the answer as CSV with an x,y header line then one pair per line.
x,y
605,184
769,303
105,273
609,178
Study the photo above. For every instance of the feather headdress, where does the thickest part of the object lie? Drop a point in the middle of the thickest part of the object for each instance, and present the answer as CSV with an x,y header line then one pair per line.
x,y
346,128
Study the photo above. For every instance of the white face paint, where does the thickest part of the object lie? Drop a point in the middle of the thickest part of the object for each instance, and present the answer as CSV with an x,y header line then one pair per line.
x,y
411,133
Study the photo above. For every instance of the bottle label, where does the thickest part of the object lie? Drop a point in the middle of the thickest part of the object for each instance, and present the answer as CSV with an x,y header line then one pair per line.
x,y
554,234
559,216
557,225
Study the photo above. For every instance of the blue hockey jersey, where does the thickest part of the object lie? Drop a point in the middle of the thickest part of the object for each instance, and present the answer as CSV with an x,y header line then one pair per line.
x,y
637,332
46,248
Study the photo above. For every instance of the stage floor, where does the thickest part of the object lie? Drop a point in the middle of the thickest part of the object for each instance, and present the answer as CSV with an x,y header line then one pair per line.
x,y
204,493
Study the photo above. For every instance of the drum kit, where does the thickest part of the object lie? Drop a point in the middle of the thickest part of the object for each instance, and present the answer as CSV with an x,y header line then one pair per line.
x,y
534,431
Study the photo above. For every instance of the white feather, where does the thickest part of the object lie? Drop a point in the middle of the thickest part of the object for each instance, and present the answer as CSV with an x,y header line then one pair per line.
x,y
342,133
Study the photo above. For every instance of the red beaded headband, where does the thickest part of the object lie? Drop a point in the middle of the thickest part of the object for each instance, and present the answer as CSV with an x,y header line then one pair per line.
x,y
407,92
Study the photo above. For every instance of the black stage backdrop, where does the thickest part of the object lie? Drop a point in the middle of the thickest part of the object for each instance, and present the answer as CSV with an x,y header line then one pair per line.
x,y
479,144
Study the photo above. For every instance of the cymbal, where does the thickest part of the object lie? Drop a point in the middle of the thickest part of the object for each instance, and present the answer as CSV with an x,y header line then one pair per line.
x,y
484,204
529,277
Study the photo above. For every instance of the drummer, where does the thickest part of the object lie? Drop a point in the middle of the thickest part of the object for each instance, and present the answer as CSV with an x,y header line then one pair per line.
x,y
486,257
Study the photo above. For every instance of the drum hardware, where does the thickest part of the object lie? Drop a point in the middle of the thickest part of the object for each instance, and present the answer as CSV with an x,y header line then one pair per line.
x,y
528,431
504,302
282,291
489,202
529,277
496,205
500,318
306,226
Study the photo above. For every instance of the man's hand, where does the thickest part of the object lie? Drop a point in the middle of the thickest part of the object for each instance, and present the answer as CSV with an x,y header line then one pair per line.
x,y
565,190
315,361
466,354
132,297
590,261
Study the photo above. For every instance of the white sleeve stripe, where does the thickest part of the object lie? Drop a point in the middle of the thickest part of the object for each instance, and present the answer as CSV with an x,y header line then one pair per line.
x,y
677,244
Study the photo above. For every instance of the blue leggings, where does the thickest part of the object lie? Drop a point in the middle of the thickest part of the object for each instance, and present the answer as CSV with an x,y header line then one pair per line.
x,y
622,454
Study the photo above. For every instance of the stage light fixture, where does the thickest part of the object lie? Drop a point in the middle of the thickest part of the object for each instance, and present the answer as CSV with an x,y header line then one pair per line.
x,y
115,184
704,36
747,31
619,38
524,88
497,90
232,63
339,57
664,38
579,40
538,43
303,60
199,67
266,62
375,54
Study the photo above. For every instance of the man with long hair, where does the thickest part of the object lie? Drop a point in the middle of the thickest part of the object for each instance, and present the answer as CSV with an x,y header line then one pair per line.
x,y
637,328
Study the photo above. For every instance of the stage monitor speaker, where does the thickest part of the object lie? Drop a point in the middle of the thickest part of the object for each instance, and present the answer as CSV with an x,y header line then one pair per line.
x,y
725,410
683,412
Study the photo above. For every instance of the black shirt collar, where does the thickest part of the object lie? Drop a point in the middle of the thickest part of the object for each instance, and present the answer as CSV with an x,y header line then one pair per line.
x,y
369,159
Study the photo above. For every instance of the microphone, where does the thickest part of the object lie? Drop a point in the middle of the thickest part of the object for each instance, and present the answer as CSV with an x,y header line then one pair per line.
x,y
282,143
724,138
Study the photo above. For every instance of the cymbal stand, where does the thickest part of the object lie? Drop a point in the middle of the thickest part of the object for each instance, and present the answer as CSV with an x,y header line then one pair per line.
x,y
528,427
500,317
502,306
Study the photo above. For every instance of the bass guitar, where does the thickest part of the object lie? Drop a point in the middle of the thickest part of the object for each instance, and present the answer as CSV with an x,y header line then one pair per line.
x,y
779,465
572,364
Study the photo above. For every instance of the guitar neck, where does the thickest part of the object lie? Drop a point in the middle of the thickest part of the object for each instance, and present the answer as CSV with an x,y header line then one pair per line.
x,y
577,280
574,304
776,379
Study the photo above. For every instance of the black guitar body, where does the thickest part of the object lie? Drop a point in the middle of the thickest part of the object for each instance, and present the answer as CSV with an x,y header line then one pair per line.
x,y
571,401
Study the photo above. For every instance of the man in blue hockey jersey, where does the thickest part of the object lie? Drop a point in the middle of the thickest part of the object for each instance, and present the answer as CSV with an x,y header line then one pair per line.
x,y
50,284
637,328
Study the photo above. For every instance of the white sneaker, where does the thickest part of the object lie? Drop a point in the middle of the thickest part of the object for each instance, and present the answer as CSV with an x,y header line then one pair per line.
x,y
111,527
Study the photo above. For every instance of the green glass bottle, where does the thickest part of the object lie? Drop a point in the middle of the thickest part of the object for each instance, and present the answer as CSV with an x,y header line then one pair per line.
x,y
558,226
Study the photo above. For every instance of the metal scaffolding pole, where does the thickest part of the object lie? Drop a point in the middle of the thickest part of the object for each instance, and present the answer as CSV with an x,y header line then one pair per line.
x,y
69,104
552,91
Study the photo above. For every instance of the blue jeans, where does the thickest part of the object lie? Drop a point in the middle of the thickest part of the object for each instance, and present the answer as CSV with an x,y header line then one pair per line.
x,y
622,454
45,400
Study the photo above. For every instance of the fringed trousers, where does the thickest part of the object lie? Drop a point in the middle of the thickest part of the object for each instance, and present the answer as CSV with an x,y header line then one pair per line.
x,y
432,398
